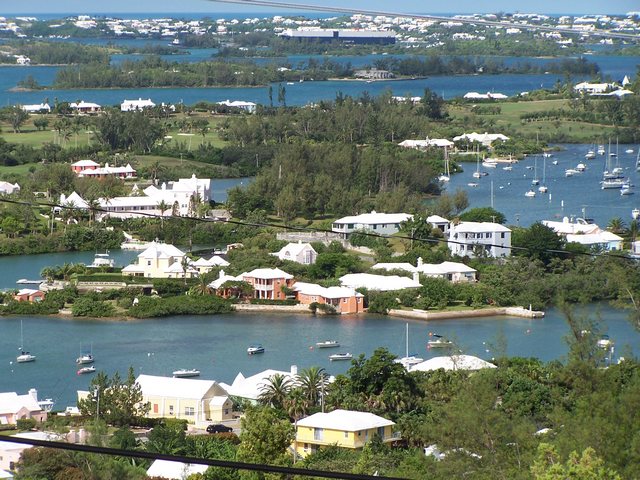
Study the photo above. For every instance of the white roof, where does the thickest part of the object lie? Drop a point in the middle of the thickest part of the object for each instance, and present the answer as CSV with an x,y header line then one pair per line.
x,y
293,249
223,278
445,267
378,282
251,387
429,142
83,104
374,218
27,291
595,238
152,385
174,470
567,227
161,250
267,274
436,219
345,421
73,200
407,267
453,362
486,138
138,103
326,292
478,227
237,103
85,163
11,402
484,96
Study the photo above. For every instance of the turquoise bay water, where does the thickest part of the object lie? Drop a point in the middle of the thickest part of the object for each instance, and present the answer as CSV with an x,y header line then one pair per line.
x,y
216,345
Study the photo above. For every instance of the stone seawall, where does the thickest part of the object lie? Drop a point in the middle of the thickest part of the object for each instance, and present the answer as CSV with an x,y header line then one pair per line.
x,y
247,307
485,312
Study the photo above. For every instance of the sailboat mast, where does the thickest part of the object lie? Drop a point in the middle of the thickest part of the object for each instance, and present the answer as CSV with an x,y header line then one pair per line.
x,y
407,341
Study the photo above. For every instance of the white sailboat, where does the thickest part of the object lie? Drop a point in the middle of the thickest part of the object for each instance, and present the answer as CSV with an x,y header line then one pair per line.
x,y
447,174
478,173
408,360
535,180
543,188
24,356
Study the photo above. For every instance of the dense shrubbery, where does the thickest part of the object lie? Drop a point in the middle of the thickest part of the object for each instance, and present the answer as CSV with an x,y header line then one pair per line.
x,y
86,306
183,305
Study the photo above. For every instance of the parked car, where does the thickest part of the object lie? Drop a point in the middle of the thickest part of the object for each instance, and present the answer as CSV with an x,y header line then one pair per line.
x,y
218,428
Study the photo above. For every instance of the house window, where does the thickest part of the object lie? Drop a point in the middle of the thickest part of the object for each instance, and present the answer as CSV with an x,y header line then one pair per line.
x,y
346,434
502,235
306,446
170,409
381,432
189,411
318,434
350,225
155,408
149,263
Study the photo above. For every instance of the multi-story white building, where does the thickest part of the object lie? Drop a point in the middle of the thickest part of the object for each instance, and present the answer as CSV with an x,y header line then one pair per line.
x,y
474,239
380,223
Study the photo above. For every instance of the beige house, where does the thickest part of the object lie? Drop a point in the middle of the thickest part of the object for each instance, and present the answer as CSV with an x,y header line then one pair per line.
x,y
161,260
299,252
344,428
198,401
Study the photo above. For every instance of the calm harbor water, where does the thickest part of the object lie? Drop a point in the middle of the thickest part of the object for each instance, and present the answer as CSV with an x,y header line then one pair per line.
x,y
301,93
216,345
566,196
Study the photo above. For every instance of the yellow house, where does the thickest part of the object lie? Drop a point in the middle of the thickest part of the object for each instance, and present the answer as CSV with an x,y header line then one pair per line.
x,y
344,428
161,260
198,401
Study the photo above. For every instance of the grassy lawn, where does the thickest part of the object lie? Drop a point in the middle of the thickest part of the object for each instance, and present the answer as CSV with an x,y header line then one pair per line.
x,y
509,119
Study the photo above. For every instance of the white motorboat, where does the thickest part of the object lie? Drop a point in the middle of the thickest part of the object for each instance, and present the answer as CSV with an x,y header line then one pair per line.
x,y
629,150
328,344
581,167
543,189
613,183
186,373
530,194
605,342
626,190
340,356
570,172
508,168
472,184
590,155
489,163
635,213
255,349
85,370
601,150
102,260
438,341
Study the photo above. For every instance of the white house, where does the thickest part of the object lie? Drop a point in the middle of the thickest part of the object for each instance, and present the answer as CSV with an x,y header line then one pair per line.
x,y
484,96
429,142
246,106
439,222
591,88
374,222
204,265
7,188
493,239
136,105
299,252
577,226
602,240
452,362
37,108
381,283
485,139
452,271
85,107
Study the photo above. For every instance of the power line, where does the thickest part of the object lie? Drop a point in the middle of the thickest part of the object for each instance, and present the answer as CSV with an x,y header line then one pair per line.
x,y
346,10
243,223
256,467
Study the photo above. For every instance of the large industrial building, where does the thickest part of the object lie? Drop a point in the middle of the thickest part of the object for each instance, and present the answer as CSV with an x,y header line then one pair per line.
x,y
344,36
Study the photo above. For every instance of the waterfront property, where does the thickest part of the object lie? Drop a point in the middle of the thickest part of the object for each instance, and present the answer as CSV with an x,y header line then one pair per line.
x,y
29,295
380,283
579,230
161,260
452,271
248,107
85,107
343,299
267,283
198,401
136,105
485,139
37,108
299,252
343,428
473,239
374,222
14,407
452,362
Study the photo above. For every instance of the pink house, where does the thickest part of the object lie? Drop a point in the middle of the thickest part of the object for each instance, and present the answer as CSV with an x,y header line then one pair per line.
x,y
15,407
29,295
267,283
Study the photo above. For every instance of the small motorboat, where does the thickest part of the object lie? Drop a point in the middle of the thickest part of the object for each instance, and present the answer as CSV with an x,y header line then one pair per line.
x,y
581,167
472,184
570,172
530,194
186,373
102,260
328,344
605,342
629,150
85,358
543,189
438,341
254,349
340,356
85,370
409,361
590,155
25,357
601,150
508,168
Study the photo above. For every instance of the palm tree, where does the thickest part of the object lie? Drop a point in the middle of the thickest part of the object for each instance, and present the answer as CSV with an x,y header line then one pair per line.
x,y
312,381
275,392
633,230
163,207
616,225
202,287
